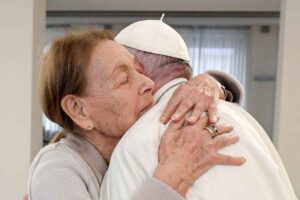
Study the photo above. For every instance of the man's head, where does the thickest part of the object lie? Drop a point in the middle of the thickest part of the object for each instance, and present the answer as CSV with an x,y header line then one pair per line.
x,y
159,49
161,68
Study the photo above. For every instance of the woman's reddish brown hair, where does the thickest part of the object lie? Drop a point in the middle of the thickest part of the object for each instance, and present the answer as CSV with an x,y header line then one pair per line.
x,y
63,72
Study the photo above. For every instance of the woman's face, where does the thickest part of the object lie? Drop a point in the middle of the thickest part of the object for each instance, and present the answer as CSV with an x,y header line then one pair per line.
x,y
116,94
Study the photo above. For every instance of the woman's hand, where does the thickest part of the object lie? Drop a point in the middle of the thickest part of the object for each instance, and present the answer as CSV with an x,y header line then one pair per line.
x,y
187,153
200,94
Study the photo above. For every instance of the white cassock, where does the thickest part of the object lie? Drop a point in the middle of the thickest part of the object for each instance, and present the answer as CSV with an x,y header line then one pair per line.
x,y
262,177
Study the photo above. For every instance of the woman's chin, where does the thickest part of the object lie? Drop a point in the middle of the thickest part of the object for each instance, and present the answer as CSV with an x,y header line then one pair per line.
x,y
144,110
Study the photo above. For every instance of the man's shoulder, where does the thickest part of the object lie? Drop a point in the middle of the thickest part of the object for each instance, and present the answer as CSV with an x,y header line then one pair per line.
x,y
149,121
228,109
146,130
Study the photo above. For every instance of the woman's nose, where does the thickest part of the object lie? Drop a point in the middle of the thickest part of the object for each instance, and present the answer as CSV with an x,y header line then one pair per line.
x,y
146,85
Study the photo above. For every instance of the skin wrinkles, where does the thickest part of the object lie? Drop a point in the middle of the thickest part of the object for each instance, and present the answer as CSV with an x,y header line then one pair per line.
x,y
116,90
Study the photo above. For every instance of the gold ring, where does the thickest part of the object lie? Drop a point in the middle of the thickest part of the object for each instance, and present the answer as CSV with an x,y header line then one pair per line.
x,y
213,130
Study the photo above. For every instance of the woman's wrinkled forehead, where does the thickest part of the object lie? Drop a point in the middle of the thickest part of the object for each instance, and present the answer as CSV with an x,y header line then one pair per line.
x,y
109,56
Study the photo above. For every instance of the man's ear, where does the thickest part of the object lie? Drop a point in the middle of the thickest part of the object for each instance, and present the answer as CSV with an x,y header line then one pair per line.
x,y
139,67
75,109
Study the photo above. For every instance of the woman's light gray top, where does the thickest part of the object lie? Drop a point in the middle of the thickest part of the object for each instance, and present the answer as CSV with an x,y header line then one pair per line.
x,y
73,169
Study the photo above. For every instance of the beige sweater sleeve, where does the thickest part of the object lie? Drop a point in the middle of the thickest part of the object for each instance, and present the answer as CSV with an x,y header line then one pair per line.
x,y
153,189
57,175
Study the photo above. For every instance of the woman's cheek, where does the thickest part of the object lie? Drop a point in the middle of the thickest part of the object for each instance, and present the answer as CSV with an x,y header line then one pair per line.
x,y
127,122
130,106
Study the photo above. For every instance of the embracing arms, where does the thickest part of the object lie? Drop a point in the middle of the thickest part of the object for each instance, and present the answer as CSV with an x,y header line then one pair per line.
x,y
178,169
186,153
202,94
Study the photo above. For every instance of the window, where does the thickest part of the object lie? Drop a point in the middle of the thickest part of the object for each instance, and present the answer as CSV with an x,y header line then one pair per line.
x,y
218,48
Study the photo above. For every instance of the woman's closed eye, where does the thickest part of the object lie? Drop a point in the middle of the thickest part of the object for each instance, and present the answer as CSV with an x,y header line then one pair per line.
x,y
124,80
126,77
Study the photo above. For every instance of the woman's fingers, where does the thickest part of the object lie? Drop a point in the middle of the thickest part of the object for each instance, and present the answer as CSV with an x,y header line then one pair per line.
x,y
172,131
184,107
169,110
200,94
176,125
212,113
222,159
178,96
223,128
202,123
198,101
224,141
196,114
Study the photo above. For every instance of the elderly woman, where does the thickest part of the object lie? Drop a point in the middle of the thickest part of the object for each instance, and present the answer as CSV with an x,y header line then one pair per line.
x,y
89,85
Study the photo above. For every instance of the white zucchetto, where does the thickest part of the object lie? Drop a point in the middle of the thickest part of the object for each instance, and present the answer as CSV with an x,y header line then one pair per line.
x,y
154,36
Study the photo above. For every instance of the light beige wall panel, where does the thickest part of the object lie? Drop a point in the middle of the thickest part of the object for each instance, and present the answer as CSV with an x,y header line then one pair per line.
x,y
21,26
288,97
263,49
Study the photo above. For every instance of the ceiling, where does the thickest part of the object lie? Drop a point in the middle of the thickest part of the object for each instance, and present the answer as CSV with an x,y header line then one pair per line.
x,y
164,5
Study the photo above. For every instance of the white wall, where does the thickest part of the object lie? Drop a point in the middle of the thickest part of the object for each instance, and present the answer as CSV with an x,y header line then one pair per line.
x,y
21,27
163,5
287,127
263,49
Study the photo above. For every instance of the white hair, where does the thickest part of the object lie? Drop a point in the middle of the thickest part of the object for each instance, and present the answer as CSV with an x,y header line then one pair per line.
x,y
158,66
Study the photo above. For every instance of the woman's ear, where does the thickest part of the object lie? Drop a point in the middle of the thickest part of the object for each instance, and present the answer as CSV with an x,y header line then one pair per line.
x,y
76,110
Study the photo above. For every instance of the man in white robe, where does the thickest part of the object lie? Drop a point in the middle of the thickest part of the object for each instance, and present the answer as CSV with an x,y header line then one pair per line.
x,y
262,177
